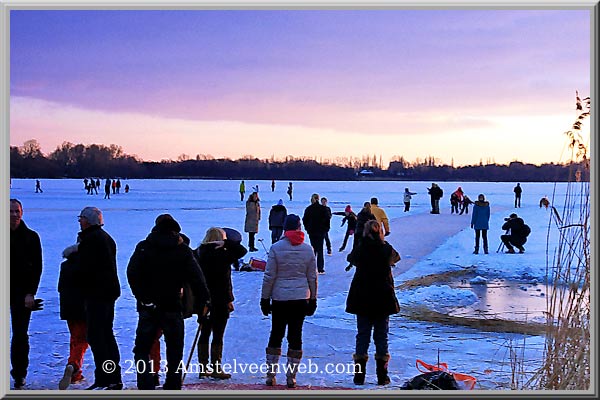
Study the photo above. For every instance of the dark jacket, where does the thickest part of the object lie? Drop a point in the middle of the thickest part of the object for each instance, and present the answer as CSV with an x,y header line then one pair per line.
x,y
436,192
361,219
518,191
517,228
98,264
25,263
350,218
216,267
277,216
372,289
316,219
70,292
158,269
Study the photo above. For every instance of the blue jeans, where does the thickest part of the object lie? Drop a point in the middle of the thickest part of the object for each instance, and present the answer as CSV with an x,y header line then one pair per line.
x,y
380,328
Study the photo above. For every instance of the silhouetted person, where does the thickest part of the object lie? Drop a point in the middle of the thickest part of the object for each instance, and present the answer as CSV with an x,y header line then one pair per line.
x,y
38,186
518,190
290,190
242,190
273,185
107,188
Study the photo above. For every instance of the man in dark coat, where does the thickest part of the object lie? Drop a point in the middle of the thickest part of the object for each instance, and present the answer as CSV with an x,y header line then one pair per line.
x,y
157,271
518,190
100,284
436,194
276,217
518,233
316,221
25,273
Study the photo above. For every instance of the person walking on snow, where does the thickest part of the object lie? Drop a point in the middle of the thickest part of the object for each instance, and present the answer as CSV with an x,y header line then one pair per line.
x,y
316,222
327,241
480,221
38,186
276,217
252,219
289,294
407,197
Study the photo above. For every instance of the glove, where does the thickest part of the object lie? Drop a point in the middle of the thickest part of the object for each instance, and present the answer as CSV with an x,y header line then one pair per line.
x,y
311,307
70,250
38,304
265,306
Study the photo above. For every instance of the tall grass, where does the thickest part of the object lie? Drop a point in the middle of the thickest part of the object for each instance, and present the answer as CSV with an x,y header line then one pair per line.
x,y
566,363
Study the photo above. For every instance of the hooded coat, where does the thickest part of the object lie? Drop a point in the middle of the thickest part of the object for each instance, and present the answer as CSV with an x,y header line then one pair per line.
x,y
160,267
372,289
480,218
252,216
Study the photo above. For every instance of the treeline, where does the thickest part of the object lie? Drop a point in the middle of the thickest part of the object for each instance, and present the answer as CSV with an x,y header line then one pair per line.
x,y
79,161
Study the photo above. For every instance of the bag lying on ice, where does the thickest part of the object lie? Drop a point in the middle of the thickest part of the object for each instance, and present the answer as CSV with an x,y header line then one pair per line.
x,y
430,381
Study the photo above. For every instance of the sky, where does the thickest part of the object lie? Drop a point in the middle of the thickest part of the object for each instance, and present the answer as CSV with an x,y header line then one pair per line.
x,y
459,85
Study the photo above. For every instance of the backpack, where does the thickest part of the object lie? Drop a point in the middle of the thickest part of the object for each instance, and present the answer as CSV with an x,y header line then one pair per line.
x,y
526,230
435,380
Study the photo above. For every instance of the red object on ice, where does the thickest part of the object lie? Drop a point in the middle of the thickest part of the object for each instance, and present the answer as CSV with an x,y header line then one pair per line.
x,y
257,264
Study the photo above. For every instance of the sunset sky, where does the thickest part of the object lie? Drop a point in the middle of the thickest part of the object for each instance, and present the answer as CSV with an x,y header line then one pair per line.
x,y
458,85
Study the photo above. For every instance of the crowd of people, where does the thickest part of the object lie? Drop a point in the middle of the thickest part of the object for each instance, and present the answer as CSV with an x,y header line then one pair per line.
x,y
172,281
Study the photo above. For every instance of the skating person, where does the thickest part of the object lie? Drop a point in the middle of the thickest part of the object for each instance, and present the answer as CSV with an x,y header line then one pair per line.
x,y
38,186
349,217
276,217
242,190
465,205
454,201
273,185
93,186
544,202
97,182
316,222
158,270
518,190
290,190
380,215
289,293
114,186
480,221
100,285
118,185
327,241
85,185
73,312
436,193
215,255
252,219
373,299
517,236
407,197
25,273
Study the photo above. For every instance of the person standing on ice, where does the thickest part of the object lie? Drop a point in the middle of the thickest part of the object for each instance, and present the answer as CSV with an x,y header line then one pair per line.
x,y
100,285
349,217
38,186
290,190
518,190
407,197
252,219
327,241
289,293
436,193
242,190
215,255
73,312
107,188
316,222
372,299
272,185
276,217
157,271
480,221
25,273
380,215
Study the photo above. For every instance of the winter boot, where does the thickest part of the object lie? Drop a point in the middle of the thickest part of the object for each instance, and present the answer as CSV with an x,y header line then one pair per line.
x,y
216,352
293,359
382,369
476,250
273,355
203,360
360,368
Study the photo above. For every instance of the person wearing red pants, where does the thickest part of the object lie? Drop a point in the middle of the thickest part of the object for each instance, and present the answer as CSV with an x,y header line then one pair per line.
x,y
72,311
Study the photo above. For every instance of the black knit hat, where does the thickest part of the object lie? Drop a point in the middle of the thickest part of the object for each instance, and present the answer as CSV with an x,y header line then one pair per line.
x,y
291,222
166,223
